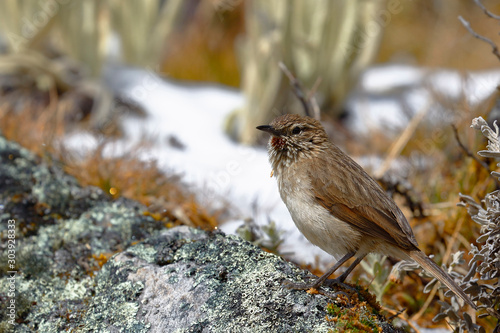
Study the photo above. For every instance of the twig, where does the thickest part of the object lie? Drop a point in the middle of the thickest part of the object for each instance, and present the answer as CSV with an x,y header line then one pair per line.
x,y
486,11
396,314
309,106
468,153
312,99
400,143
478,36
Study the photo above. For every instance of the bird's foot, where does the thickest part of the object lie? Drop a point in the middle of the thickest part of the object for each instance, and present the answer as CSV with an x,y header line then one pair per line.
x,y
300,286
317,283
340,283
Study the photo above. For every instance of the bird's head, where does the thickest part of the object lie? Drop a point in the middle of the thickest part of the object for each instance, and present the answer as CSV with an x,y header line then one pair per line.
x,y
294,137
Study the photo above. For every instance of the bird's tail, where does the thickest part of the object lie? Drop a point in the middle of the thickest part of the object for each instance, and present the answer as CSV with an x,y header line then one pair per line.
x,y
439,274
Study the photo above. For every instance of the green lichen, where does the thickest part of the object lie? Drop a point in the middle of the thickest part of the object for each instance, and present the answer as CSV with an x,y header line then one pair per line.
x,y
143,251
61,229
115,304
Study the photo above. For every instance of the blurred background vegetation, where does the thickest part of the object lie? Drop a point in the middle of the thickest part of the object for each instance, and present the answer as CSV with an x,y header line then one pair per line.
x,y
327,44
53,53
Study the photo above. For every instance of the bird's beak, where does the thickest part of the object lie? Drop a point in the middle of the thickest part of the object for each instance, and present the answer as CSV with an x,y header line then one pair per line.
x,y
268,129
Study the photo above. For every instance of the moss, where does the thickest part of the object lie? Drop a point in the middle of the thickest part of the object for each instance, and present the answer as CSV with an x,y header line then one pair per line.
x,y
358,318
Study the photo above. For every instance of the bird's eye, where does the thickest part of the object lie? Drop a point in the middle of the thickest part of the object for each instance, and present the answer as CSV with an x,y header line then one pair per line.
x,y
296,130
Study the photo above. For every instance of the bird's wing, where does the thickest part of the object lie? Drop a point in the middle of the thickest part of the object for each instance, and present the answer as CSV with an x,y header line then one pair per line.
x,y
372,212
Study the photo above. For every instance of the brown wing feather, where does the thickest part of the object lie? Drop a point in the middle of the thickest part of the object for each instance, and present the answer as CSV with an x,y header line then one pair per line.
x,y
354,197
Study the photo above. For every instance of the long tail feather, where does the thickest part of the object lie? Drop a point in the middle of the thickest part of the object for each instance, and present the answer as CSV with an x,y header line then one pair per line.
x,y
439,274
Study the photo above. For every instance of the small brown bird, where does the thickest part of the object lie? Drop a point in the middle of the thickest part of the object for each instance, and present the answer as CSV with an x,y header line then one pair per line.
x,y
335,204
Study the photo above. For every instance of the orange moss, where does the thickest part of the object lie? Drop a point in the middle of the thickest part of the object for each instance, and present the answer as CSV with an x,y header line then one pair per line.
x,y
352,315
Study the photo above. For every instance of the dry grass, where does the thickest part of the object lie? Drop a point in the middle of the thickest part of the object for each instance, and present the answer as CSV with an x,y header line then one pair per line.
x,y
127,176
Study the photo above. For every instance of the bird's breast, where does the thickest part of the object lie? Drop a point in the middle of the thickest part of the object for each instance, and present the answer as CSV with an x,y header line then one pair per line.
x,y
315,222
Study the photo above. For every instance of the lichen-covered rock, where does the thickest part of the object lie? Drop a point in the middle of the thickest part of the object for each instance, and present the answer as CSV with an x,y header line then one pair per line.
x,y
157,280
187,280
62,235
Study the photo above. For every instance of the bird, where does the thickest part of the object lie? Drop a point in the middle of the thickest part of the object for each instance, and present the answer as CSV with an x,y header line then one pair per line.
x,y
336,205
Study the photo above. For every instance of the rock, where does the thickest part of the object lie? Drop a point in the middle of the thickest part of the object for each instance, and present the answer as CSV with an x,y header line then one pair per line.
x,y
187,280
63,235
156,279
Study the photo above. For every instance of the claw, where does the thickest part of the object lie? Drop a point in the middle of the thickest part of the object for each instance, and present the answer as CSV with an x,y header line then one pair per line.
x,y
338,282
313,287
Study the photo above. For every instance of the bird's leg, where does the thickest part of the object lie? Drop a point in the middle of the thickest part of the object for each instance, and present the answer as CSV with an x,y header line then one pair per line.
x,y
319,281
340,280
